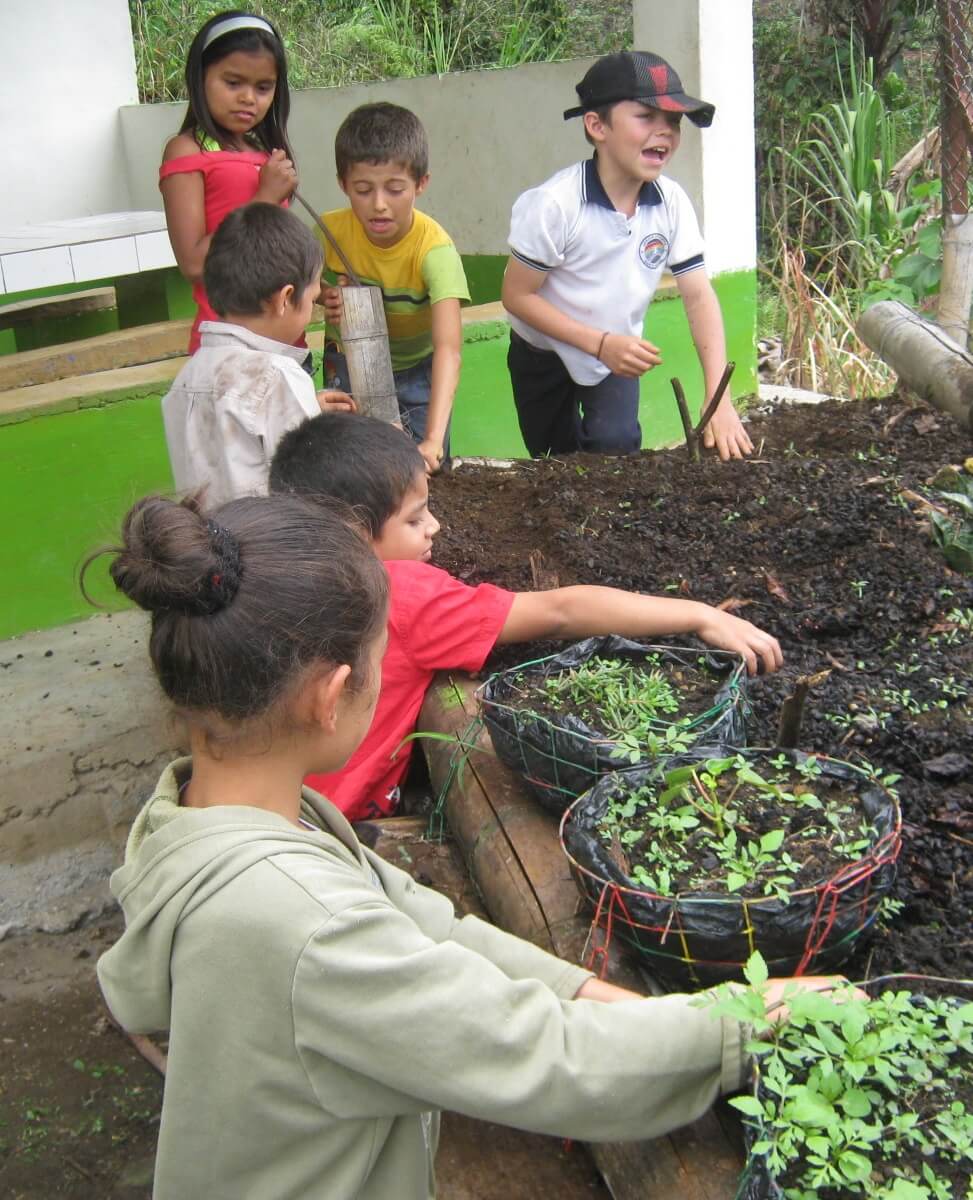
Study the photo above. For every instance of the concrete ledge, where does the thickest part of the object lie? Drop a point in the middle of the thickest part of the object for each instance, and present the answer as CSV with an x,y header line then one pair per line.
x,y
87,733
99,387
126,347
88,391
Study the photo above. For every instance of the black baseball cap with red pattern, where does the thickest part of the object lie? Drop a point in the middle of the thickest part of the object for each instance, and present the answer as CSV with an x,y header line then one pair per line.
x,y
641,76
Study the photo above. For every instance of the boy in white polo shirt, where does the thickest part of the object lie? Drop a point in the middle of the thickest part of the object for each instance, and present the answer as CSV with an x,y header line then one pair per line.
x,y
588,248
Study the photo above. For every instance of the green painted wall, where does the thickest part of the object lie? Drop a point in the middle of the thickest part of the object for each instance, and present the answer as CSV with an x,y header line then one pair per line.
x,y
484,420
66,479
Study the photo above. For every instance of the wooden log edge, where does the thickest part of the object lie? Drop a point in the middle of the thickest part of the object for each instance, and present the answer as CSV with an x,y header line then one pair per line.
x,y
511,846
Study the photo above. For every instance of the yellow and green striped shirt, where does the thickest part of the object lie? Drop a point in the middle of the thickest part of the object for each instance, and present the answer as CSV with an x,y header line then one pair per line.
x,y
414,274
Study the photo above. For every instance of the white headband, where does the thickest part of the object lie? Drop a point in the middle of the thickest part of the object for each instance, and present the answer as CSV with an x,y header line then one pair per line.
x,y
232,23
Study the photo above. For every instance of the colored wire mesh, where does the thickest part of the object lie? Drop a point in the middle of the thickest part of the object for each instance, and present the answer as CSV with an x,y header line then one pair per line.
x,y
698,940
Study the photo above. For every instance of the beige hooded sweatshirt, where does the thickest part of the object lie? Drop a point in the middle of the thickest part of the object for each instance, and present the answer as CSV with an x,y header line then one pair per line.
x,y
322,1007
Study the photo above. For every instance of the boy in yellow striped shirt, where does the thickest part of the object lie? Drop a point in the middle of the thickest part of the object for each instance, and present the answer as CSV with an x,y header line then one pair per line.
x,y
382,157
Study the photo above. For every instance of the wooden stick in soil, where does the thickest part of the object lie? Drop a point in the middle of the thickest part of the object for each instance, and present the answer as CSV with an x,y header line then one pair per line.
x,y
687,423
543,577
714,404
792,710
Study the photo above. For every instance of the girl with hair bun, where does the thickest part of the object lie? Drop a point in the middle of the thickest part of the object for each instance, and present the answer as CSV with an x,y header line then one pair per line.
x,y
322,1007
232,147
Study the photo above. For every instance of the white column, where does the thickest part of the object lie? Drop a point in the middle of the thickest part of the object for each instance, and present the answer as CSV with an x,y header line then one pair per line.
x,y
710,44
65,69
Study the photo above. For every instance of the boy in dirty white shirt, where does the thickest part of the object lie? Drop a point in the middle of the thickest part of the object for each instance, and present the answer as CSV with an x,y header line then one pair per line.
x,y
245,386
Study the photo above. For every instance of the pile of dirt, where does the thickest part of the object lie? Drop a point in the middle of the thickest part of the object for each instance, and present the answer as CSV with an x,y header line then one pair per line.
x,y
813,540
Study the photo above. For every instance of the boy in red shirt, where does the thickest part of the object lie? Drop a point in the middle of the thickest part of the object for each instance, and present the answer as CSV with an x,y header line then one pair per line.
x,y
438,623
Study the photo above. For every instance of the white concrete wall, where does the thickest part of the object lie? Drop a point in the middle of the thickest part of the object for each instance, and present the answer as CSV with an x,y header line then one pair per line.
x,y
66,67
710,44
492,134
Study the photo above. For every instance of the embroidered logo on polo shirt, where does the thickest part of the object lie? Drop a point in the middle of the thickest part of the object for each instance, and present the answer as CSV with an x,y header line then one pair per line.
x,y
653,250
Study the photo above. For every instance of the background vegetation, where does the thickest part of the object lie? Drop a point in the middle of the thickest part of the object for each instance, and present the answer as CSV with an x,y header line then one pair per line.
x,y
844,90
334,42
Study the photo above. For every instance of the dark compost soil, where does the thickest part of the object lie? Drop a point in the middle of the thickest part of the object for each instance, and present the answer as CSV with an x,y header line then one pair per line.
x,y
811,540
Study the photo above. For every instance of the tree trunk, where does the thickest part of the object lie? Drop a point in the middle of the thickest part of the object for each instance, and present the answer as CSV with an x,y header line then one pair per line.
x,y
956,287
926,359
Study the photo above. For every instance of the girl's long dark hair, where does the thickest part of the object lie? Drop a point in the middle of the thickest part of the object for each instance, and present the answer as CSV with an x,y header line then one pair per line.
x,y
272,130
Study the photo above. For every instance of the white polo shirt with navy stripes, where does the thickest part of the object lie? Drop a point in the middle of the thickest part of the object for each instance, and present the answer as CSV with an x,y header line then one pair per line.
x,y
602,267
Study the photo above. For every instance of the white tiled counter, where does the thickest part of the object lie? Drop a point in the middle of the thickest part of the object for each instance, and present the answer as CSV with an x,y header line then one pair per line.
x,y
85,248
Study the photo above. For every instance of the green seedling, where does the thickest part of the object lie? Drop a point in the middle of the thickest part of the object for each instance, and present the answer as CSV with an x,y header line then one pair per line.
x,y
632,704
849,1088
704,811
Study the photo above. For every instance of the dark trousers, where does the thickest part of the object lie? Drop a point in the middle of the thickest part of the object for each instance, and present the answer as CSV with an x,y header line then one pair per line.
x,y
558,416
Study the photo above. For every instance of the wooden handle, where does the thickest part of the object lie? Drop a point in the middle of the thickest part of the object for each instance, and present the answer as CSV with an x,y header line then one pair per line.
x,y
349,269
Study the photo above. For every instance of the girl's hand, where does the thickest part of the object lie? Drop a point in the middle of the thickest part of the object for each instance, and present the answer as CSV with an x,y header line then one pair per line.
x,y
333,402
604,992
774,990
629,356
277,180
331,299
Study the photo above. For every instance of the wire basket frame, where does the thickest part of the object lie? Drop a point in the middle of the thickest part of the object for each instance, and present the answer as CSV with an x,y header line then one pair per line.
x,y
696,940
561,757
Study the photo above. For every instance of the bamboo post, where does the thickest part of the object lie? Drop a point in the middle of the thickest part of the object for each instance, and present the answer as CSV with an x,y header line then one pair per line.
x,y
365,342
364,338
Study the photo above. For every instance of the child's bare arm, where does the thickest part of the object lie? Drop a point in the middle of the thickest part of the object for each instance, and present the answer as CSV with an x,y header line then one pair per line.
x,y
583,611
621,353
184,202
725,431
447,342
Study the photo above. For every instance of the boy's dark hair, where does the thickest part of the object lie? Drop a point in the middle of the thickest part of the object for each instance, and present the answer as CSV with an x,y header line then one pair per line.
x,y
244,599
257,250
272,130
367,463
380,133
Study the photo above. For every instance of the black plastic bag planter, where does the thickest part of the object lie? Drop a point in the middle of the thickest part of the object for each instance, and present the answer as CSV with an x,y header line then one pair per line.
x,y
762,1178
697,939
559,758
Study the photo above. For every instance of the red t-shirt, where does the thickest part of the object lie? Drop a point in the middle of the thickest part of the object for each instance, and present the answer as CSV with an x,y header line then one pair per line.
x,y
230,180
436,623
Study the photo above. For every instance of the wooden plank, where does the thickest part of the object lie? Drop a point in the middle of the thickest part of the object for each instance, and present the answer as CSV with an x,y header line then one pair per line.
x,y
126,347
512,849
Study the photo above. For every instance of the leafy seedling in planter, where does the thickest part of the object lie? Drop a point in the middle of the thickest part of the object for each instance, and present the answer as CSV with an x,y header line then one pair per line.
x,y
719,824
631,705
856,1097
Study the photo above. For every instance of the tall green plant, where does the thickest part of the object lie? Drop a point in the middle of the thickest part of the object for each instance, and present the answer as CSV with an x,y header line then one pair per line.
x,y
841,173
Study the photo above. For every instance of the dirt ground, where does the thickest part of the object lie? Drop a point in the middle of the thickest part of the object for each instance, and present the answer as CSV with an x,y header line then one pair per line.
x,y
809,539
812,540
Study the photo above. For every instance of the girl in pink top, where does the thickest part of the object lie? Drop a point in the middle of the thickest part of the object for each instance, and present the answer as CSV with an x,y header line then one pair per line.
x,y
232,148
